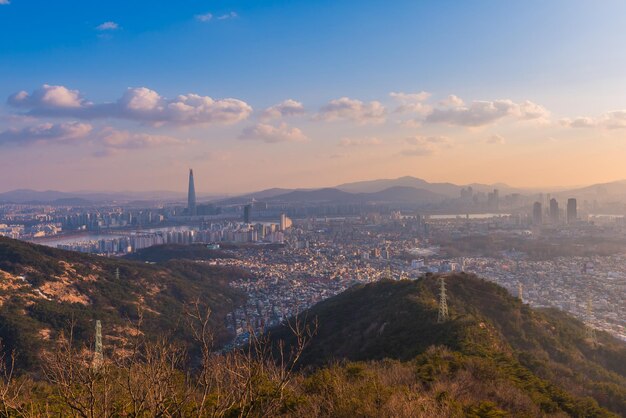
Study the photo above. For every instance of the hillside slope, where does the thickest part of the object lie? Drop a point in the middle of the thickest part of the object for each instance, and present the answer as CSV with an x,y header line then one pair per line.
x,y
167,252
542,351
43,289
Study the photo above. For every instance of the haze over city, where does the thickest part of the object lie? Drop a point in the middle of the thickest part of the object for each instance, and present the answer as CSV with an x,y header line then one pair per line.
x,y
289,208
252,95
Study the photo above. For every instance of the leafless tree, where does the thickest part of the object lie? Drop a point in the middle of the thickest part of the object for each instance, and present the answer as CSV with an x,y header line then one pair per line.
x,y
154,377
249,381
150,373
85,390
10,387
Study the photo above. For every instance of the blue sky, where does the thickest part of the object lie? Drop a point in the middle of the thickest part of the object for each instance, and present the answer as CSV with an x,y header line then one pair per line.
x,y
565,56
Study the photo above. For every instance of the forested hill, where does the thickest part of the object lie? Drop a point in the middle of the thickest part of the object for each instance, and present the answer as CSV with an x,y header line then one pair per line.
x,y
543,353
43,289
167,252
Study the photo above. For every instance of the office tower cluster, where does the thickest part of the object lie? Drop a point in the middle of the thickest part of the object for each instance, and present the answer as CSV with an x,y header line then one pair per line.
x,y
553,213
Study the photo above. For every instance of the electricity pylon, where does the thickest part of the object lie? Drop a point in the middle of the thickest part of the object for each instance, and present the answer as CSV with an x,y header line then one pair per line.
x,y
117,273
442,316
520,291
98,357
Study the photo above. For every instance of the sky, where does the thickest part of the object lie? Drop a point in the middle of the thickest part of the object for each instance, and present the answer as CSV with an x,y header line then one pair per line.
x,y
128,95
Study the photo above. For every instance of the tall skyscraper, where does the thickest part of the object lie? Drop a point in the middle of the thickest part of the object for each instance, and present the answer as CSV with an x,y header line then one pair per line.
x,y
493,200
572,210
191,196
554,211
285,222
537,214
247,213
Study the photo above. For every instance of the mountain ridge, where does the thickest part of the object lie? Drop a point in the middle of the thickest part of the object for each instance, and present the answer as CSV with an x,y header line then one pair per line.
x,y
43,289
611,189
398,320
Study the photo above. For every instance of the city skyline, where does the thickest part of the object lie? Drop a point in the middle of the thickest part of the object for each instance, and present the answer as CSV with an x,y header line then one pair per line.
x,y
127,97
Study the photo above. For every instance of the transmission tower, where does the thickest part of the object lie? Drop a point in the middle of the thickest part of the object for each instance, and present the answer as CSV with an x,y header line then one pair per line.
x,y
442,316
520,291
590,332
97,355
117,273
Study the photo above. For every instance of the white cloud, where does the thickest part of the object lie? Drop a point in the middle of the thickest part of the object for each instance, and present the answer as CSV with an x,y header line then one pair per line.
x,y
452,101
495,140
580,122
206,17
410,97
615,119
4,2
359,142
193,108
47,97
345,108
287,107
425,145
109,138
480,113
230,15
141,100
46,132
272,134
529,110
107,26
139,104
112,138
412,102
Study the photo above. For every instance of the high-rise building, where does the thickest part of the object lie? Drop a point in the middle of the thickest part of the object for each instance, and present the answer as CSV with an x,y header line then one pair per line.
x,y
554,211
493,200
191,196
285,222
247,212
537,213
572,214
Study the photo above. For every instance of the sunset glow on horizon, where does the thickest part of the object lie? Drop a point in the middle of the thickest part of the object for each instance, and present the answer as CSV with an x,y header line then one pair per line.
x,y
254,95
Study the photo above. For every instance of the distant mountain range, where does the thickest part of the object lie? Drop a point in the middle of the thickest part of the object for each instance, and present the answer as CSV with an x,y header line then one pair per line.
x,y
446,189
405,189
418,191
86,198
409,190
401,194
615,190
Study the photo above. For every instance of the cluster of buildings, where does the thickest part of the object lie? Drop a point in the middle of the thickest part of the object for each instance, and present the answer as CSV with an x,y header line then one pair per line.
x,y
21,231
231,232
11,231
323,257
553,214
572,284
